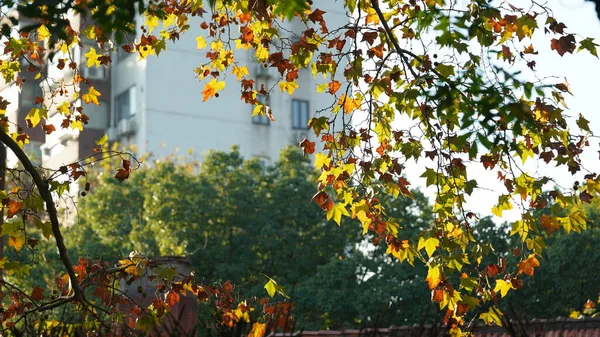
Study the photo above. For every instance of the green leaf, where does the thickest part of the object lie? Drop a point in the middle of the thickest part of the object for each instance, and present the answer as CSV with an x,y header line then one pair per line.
x,y
583,123
589,45
445,70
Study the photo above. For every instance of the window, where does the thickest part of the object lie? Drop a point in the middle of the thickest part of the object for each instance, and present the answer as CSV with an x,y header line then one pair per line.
x,y
261,119
125,104
98,115
299,114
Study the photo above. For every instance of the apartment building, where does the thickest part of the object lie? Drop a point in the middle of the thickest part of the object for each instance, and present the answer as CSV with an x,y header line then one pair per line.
x,y
156,105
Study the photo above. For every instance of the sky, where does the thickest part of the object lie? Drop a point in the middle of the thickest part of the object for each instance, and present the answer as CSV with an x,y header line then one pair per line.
x,y
582,72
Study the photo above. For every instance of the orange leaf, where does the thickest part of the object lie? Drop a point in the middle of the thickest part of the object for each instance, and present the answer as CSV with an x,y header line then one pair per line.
x,y
526,266
14,207
258,330
334,86
172,298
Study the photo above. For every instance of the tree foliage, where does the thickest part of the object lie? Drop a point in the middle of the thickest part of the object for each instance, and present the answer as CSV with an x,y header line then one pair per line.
x,y
444,86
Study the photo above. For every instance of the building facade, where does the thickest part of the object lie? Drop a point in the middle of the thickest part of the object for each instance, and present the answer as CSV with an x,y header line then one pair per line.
x,y
156,105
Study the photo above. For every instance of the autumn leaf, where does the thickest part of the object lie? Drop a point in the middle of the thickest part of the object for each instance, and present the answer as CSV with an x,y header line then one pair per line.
x,y
212,88
13,207
200,42
321,160
349,104
258,329
336,213
503,287
526,266
334,86
172,298
288,86
17,242
492,316
307,146
565,44
434,275
37,294
35,115
430,245
91,96
92,58
372,17
240,72
43,33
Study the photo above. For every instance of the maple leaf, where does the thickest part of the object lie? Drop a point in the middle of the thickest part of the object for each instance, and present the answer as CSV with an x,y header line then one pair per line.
x,y
288,86
334,86
492,316
565,44
321,160
258,330
372,17
240,72
430,245
91,96
92,58
172,298
17,242
349,104
307,146
35,115
526,266
212,88
336,213
200,42
503,287
37,294
13,207
434,275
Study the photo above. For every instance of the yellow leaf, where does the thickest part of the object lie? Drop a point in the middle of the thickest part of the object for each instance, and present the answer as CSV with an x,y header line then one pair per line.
x,y
91,96
240,72
503,287
372,17
321,160
262,53
35,115
288,86
17,242
492,316
258,330
429,244
92,58
90,32
434,276
64,108
151,22
43,33
200,42
102,141
336,213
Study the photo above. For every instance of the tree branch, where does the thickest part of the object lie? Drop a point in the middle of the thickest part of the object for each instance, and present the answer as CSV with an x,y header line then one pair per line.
x,y
45,194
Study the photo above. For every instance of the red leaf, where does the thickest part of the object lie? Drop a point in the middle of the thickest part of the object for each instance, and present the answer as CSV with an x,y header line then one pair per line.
x,y
37,294
307,146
